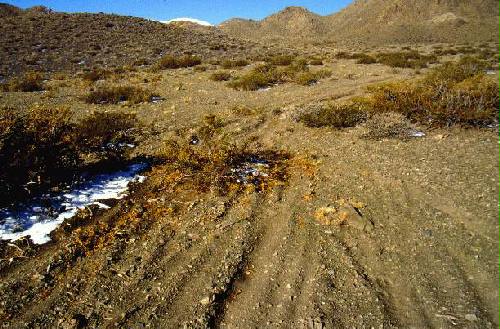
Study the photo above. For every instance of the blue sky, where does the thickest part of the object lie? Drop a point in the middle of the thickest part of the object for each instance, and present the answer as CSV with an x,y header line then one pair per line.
x,y
214,11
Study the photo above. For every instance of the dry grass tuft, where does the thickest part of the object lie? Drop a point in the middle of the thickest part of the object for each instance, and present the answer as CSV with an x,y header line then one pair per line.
x,y
334,115
29,82
177,62
117,94
220,76
231,64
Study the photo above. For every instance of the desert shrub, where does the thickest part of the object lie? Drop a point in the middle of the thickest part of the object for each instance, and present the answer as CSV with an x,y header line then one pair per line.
x,y
453,94
308,78
29,82
96,75
366,59
343,55
316,61
451,72
117,94
222,167
220,76
103,129
200,68
176,62
388,125
407,59
43,147
268,74
281,60
230,64
251,81
444,52
334,115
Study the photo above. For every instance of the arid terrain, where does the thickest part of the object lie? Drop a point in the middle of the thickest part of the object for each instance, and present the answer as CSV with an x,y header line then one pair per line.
x,y
321,186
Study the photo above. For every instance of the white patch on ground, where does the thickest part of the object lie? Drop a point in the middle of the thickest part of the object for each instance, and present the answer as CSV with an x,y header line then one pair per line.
x,y
38,221
188,19
417,134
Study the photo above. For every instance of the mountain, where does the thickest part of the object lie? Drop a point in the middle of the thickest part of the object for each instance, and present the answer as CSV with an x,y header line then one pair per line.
x,y
378,22
290,23
408,21
189,20
39,39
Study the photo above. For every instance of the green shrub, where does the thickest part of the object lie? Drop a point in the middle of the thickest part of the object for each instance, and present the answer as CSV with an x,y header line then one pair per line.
x,y
334,115
117,94
220,76
29,82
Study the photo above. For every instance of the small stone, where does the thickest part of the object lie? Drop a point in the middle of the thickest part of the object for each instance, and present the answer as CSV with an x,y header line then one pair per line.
x,y
205,301
471,317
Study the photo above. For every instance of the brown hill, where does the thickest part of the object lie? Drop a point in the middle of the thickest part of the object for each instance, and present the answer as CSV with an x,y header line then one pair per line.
x,y
38,39
379,22
9,10
291,23
413,21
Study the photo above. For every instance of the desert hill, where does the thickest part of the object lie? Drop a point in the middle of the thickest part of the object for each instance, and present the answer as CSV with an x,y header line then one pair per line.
x,y
39,39
378,22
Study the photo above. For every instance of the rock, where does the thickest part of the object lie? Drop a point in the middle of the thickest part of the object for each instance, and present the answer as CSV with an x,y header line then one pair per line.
x,y
348,215
205,301
471,317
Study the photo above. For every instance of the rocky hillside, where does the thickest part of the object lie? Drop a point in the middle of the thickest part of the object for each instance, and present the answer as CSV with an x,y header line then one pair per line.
x,y
290,23
379,22
407,21
39,39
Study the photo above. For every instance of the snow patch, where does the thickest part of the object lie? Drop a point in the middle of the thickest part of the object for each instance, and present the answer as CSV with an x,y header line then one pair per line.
x,y
38,220
188,19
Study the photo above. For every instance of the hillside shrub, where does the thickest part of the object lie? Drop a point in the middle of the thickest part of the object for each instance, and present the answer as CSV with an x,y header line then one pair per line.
x,y
28,82
176,62
220,76
230,64
334,115
117,94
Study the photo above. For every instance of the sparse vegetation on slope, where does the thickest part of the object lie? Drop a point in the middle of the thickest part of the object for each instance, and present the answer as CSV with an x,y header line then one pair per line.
x,y
285,71
117,94
29,82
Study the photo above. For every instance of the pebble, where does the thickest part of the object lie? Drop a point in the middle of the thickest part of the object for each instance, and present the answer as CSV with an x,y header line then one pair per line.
x,y
205,301
471,317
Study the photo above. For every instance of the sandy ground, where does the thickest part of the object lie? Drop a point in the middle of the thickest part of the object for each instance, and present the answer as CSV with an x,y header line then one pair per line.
x,y
360,234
